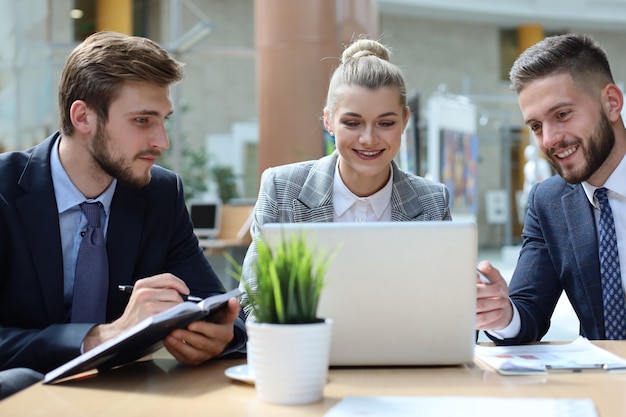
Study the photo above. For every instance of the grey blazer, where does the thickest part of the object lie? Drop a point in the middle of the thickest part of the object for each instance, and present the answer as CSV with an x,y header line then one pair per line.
x,y
559,253
302,192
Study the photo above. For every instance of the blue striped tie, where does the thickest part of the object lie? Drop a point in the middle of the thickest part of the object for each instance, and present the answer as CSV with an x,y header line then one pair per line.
x,y
91,280
612,291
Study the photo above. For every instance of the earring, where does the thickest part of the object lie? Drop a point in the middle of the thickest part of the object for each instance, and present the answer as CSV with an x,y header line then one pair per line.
x,y
331,133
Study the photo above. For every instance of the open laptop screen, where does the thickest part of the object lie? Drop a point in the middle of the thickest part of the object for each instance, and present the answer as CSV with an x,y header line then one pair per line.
x,y
205,216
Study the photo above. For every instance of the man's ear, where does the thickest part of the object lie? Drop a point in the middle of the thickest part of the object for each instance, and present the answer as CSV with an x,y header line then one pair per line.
x,y
613,101
82,117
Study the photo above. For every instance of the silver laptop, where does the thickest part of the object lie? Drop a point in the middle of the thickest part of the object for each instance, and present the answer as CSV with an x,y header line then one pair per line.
x,y
399,293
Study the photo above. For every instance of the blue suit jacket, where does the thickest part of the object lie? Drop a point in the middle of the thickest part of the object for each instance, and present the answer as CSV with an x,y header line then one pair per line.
x,y
149,232
559,252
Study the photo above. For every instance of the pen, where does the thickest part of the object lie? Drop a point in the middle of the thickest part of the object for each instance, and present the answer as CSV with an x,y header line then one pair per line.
x,y
129,288
483,278
595,367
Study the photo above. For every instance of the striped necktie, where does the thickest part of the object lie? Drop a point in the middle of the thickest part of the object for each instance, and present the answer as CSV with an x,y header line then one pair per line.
x,y
91,280
612,290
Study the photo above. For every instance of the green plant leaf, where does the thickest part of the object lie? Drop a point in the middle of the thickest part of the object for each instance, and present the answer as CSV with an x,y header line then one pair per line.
x,y
289,280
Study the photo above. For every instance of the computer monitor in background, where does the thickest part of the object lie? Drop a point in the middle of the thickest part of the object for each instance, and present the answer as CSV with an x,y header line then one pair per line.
x,y
205,216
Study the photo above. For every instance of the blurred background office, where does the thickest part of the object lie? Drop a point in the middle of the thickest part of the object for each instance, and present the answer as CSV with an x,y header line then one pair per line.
x,y
257,73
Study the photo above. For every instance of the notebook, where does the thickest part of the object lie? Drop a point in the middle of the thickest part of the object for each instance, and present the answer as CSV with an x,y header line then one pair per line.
x,y
399,293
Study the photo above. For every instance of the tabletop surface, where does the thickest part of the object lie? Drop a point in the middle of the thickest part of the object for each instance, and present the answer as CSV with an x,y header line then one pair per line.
x,y
160,386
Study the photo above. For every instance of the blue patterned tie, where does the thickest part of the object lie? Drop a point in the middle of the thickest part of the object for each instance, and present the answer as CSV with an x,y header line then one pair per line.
x,y
91,280
612,291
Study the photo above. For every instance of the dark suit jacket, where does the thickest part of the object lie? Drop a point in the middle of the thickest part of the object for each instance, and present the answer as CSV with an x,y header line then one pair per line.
x,y
559,252
149,232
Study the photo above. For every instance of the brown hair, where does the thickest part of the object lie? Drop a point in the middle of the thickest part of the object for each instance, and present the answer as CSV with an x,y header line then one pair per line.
x,y
96,70
575,54
365,63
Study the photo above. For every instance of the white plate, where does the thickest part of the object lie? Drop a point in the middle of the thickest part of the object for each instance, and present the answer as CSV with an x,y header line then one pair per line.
x,y
240,373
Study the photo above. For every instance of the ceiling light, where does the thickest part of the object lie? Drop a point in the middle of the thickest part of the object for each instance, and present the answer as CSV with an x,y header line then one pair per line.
x,y
76,14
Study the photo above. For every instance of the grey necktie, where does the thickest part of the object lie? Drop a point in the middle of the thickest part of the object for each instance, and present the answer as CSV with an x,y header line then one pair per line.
x,y
612,291
91,280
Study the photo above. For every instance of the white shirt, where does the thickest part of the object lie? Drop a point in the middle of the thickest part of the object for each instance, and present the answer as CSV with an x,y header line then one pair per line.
x,y
349,207
616,187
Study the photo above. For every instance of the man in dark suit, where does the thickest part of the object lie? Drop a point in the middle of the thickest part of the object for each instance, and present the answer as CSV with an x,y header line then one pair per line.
x,y
572,106
113,100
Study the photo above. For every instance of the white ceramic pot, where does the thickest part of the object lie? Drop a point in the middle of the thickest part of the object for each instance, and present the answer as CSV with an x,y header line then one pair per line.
x,y
289,361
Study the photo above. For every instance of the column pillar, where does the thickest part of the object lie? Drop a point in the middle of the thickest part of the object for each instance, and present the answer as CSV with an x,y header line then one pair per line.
x,y
115,15
527,36
297,44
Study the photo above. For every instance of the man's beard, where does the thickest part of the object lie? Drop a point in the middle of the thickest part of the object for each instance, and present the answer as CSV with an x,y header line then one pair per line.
x,y
117,168
596,151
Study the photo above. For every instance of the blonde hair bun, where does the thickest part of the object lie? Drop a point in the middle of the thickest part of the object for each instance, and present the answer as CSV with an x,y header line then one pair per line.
x,y
365,47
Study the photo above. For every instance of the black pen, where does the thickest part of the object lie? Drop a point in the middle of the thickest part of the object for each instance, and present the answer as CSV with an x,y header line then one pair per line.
x,y
129,288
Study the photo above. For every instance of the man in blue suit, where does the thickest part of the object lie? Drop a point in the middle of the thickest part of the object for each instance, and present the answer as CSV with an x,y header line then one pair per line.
x,y
113,100
570,103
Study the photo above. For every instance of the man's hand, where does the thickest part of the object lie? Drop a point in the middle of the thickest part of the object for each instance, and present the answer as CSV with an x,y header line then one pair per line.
x,y
203,340
493,307
150,296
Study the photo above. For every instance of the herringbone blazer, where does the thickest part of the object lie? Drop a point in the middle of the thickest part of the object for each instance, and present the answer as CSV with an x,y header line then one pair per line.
x,y
302,192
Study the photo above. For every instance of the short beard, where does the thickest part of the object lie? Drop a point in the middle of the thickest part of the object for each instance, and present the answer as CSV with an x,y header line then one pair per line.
x,y
116,168
599,148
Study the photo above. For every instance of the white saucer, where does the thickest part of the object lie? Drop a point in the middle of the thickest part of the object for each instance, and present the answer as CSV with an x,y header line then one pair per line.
x,y
240,373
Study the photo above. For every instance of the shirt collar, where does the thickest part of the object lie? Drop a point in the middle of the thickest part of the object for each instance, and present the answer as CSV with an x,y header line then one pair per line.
x,y
343,198
615,183
66,193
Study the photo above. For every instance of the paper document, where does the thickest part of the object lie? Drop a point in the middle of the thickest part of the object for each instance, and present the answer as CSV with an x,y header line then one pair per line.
x,y
462,406
575,357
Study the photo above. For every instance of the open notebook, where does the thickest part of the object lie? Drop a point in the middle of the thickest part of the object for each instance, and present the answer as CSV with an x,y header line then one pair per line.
x,y
399,293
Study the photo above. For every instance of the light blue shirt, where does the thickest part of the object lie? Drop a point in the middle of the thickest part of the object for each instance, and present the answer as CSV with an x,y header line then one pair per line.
x,y
72,221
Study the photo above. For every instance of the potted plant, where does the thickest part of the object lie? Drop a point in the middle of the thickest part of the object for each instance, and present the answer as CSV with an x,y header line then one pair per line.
x,y
288,345
226,182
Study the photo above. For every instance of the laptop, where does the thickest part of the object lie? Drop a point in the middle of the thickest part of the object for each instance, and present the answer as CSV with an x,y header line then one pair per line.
x,y
399,293
206,216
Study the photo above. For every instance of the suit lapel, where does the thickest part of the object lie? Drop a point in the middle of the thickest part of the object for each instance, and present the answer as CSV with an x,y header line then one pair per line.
x,y
311,205
38,212
582,228
403,208
39,215
124,235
